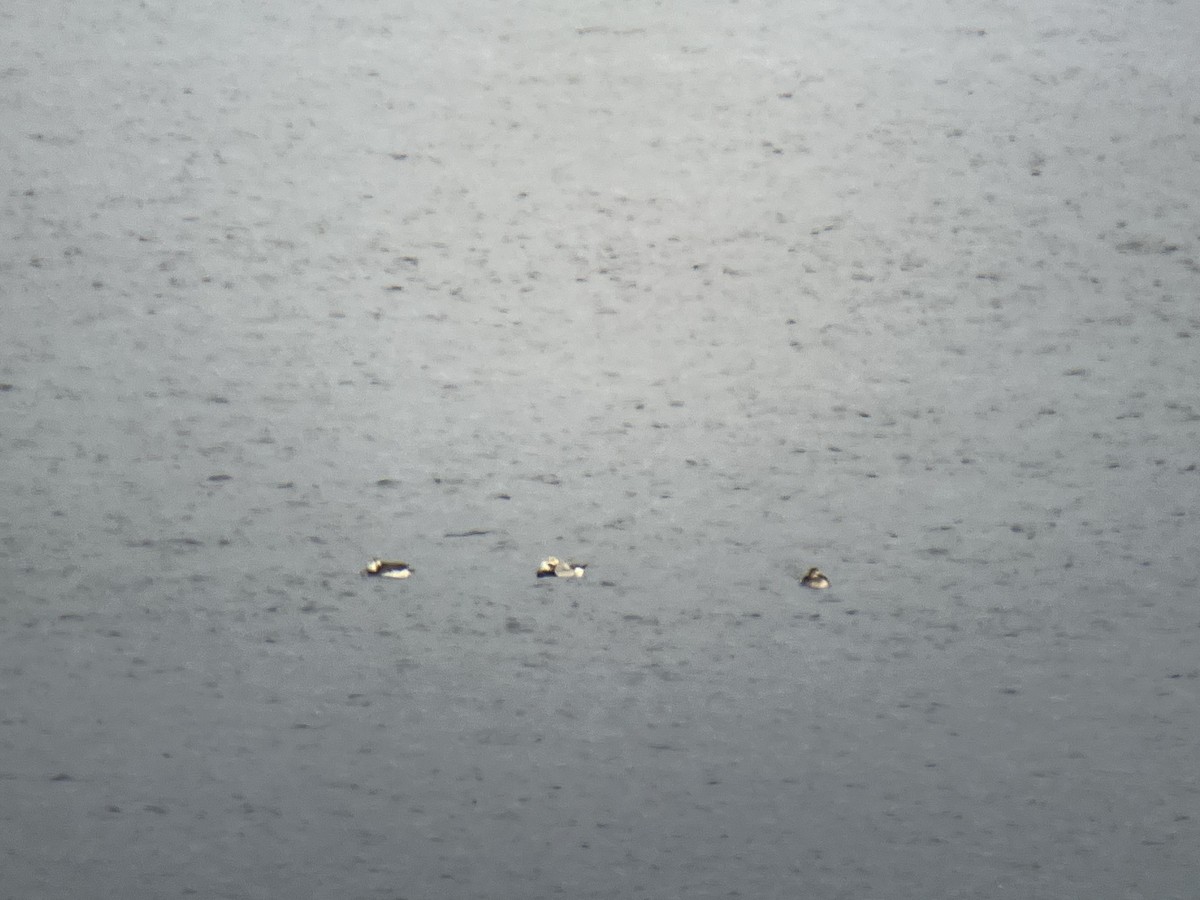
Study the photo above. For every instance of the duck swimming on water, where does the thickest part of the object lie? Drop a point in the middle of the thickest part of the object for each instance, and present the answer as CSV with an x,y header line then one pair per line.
x,y
382,568
814,578
553,567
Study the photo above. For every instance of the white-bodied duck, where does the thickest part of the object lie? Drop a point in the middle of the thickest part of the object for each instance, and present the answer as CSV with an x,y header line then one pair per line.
x,y
384,568
553,567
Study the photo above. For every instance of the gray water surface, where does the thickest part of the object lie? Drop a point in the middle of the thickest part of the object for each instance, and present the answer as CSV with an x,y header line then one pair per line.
x,y
699,294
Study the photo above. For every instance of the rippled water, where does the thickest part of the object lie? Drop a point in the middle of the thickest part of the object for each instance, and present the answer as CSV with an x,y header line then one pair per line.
x,y
700,300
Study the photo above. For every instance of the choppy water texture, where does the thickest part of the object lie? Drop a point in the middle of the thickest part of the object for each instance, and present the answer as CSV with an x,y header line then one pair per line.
x,y
700,295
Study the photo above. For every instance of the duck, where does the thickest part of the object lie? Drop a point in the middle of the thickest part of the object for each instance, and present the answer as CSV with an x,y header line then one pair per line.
x,y
382,568
814,578
553,567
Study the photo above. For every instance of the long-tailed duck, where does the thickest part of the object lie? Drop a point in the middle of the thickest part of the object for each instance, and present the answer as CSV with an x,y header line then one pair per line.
x,y
553,567
382,568
814,578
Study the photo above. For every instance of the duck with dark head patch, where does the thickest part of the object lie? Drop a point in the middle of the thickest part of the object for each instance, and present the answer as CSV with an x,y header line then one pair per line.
x,y
383,568
553,567
814,578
